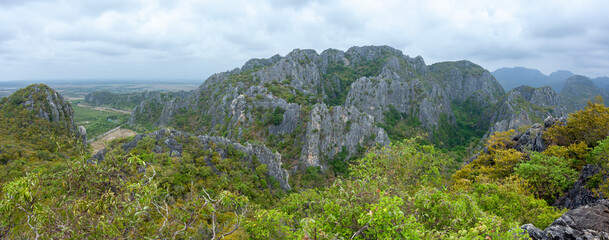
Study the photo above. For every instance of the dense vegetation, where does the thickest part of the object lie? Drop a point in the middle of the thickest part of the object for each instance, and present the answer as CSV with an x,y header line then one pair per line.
x,y
405,190
30,143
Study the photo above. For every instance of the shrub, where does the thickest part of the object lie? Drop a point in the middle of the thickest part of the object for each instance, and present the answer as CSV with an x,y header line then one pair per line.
x,y
589,125
548,176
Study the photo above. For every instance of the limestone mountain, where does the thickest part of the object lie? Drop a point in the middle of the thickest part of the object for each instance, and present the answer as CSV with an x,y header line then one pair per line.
x,y
317,108
511,78
37,126
43,102
578,90
525,105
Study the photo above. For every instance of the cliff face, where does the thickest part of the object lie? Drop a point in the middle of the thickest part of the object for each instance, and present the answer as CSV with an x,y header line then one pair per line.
x,y
524,106
312,106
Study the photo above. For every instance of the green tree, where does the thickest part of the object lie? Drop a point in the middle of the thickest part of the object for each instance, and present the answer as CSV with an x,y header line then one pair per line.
x,y
548,176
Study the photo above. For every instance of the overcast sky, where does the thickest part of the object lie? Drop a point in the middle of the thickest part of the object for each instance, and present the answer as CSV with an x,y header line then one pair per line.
x,y
154,39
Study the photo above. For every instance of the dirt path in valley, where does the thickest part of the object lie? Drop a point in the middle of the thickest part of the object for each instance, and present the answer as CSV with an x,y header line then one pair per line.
x,y
105,109
115,133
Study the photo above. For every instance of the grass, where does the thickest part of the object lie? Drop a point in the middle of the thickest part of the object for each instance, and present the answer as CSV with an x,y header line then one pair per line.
x,y
97,122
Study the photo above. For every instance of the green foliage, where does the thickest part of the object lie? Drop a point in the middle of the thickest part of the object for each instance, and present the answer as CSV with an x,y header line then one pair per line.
x,y
403,164
589,125
600,157
470,126
495,164
339,77
339,164
512,202
392,193
97,122
112,200
271,224
548,176
276,116
400,126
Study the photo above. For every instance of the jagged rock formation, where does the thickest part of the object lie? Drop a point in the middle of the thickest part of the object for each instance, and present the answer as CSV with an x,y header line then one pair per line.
x,y
525,106
580,194
531,139
586,222
173,143
46,103
320,104
329,130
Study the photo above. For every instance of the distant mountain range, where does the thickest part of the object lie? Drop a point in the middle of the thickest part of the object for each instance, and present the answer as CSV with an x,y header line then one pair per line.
x,y
511,78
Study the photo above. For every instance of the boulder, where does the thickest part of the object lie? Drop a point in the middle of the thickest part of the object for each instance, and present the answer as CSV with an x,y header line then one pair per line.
x,y
585,222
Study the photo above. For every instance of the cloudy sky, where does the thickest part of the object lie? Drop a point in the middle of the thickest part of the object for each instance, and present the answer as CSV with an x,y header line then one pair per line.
x,y
191,39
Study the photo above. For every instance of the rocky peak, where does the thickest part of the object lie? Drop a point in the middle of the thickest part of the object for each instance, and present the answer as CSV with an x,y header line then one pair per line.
x,y
464,79
45,103
260,63
282,96
371,53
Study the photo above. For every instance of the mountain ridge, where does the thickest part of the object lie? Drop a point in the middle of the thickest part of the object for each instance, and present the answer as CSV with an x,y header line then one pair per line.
x,y
315,102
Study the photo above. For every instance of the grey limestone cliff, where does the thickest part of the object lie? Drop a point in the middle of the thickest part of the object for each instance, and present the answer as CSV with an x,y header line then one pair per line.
x,y
586,222
524,106
329,130
318,104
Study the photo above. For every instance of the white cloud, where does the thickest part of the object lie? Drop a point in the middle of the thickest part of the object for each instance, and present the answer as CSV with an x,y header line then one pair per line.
x,y
193,39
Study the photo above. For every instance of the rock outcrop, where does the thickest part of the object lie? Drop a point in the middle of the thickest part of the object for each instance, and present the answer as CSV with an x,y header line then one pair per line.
x,y
331,130
172,142
47,104
580,194
524,106
586,222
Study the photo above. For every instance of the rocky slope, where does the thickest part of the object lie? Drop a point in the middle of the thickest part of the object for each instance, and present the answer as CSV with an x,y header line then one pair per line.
x,y
177,144
45,103
37,126
586,222
524,106
312,106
